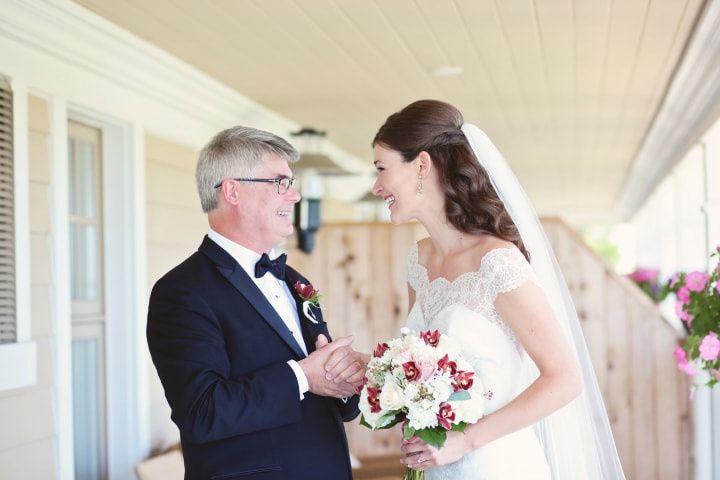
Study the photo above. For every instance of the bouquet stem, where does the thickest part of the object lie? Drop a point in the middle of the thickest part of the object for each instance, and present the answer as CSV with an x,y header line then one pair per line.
x,y
411,474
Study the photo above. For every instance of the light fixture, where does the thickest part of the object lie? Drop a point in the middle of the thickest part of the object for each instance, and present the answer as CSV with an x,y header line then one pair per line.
x,y
311,145
312,166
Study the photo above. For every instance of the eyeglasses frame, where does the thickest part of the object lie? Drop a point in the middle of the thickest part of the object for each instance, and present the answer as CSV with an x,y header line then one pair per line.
x,y
278,181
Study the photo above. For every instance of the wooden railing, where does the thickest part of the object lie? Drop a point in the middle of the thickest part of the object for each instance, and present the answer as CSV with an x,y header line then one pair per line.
x,y
631,347
360,271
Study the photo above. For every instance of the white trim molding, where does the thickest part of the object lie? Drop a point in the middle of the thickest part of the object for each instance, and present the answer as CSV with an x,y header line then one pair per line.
x,y
60,274
691,105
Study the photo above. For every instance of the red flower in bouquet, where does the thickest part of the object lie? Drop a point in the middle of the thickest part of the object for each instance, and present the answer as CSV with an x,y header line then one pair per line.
x,y
380,350
446,416
412,372
447,365
463,381
431,337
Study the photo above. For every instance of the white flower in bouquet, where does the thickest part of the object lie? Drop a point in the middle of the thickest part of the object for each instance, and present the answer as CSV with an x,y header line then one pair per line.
x,y
391,396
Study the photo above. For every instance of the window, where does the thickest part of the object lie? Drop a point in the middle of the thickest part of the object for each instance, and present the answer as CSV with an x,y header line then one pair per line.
x,y
88,304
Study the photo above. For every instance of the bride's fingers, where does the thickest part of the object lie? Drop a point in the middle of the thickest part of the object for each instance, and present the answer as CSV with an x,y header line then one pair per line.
x,y
409,460
409,450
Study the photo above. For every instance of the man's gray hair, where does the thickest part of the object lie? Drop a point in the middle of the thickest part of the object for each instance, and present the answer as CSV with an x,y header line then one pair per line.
x,y
236,152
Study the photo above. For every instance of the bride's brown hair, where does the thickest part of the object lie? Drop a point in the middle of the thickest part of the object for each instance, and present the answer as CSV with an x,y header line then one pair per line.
x,y
471,202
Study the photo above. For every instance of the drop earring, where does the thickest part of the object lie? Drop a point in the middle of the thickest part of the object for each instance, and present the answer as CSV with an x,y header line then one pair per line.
x,y
419,185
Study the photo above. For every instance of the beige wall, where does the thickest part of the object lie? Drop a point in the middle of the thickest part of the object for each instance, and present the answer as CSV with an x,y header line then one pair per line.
x,y
27,435
175,227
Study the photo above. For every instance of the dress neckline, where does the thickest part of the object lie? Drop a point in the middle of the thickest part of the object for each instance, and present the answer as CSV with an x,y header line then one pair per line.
x,y
485,257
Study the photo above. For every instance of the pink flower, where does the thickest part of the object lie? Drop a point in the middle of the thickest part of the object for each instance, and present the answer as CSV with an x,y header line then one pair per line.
x,y
645,275
682,314
680,354
683,294
682,362
687,368
710,347
717,287
426,370
696,281
674,280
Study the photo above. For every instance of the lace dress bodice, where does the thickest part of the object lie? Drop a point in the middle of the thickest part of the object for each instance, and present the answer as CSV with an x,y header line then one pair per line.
x,y
464,309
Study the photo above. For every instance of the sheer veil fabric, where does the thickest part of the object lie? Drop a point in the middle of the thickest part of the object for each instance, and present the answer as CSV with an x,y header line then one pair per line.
x,y
577,439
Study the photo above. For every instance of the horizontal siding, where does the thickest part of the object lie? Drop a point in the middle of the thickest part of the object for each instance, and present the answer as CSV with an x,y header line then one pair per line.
x,y
27,436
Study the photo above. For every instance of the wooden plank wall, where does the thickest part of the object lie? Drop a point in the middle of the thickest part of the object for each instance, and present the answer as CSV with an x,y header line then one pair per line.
x,y
631,347
360,271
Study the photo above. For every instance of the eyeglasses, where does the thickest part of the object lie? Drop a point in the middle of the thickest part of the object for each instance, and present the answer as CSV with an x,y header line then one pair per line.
x,y
283,183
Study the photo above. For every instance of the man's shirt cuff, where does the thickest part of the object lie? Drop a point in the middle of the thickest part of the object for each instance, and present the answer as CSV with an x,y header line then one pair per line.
x,y
303,385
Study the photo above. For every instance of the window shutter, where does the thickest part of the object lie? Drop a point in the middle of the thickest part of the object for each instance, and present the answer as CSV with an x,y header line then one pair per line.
x,y
7,218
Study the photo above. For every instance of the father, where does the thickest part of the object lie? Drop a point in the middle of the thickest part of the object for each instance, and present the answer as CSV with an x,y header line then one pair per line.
x,y
241,359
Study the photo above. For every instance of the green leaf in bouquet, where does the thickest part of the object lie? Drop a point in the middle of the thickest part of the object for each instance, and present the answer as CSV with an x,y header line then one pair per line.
x,y
459,427
396,418
459,395
388,420
364,423
408,432
433,436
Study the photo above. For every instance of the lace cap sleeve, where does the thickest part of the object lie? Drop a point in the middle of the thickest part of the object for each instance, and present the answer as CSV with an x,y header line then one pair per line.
x,y
507,269
413,269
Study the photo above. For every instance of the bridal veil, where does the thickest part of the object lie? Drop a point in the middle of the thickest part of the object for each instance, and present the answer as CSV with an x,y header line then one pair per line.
x,y
577,439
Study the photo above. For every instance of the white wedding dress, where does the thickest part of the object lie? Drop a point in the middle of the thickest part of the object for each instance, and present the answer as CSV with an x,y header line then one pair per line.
x,y
464,309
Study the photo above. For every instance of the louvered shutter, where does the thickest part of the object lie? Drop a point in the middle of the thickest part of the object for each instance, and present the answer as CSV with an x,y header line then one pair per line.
x,y
7,218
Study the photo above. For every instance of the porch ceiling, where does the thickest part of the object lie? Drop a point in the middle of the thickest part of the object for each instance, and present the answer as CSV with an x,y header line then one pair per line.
x,y
566,88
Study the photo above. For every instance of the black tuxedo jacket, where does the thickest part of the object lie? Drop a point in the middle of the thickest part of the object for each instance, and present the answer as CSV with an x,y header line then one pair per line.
x,y
221,352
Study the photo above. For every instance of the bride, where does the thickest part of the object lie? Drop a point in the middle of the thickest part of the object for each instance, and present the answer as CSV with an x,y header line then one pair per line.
x,y
487,277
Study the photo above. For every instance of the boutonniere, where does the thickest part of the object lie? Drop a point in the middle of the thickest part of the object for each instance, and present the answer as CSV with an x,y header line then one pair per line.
x,y
310,296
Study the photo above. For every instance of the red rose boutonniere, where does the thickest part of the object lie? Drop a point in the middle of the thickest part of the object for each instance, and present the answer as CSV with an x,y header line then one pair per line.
x,y
310,296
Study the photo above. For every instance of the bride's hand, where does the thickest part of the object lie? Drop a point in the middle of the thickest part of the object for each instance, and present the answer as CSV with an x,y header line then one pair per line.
x,y
418,455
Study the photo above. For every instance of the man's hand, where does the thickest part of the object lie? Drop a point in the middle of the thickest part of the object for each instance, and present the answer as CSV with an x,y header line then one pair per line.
x,y
344,364
314,368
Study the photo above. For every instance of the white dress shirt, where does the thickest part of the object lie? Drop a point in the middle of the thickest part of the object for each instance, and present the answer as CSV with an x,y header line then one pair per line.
x,y
277,293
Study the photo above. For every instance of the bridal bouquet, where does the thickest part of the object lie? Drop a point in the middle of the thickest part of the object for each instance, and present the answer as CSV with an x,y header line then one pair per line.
x,y
420,379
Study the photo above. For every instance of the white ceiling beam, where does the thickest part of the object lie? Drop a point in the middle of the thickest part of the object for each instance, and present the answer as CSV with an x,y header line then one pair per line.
x,y
692,103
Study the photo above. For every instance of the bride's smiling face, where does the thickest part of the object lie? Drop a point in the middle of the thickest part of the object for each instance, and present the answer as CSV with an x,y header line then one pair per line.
x,y
396,183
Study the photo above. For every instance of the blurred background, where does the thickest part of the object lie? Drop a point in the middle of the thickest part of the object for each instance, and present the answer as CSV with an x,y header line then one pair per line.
x,y
606,110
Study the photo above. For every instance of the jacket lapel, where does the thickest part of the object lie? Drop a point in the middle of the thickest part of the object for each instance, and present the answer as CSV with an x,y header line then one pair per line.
x,y
310,330
235,274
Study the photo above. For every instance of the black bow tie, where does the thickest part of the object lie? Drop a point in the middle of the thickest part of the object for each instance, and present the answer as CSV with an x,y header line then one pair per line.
x,y
276,267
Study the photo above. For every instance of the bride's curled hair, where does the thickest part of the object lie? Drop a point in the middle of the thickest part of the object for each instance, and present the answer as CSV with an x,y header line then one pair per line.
x,y
471,202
